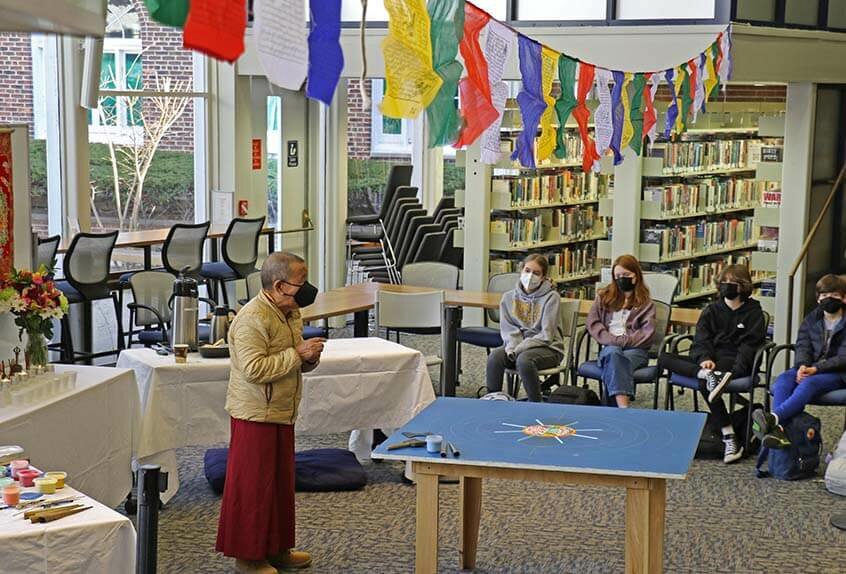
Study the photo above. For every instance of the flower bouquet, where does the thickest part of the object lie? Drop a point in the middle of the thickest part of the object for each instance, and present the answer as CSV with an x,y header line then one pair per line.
x,y
35,301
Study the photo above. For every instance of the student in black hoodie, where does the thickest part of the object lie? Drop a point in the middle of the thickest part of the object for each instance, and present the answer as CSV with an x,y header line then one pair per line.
x,y
819,364
728,334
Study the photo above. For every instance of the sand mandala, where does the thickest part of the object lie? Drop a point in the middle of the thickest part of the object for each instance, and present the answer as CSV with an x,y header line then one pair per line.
x,y
544,431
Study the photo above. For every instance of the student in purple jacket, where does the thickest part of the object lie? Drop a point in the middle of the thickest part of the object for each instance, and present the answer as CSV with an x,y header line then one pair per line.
x,y
622,320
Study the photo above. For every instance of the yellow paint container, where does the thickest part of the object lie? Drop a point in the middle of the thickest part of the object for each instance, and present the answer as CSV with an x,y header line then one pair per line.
x,y
59,478
45,485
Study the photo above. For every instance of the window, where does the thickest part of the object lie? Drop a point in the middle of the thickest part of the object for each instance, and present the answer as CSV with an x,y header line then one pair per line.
x,y
388,136
546,10
117,119
376,12
802,12
272,159
756,10
665,9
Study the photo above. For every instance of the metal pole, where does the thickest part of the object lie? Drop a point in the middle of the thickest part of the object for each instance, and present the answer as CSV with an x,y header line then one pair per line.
x,y
151,481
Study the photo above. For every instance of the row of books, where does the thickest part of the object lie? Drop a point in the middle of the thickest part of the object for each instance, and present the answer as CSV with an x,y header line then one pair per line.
x,y
568,262
692,156
567,223
711,194
572,148
766,151
768,239
559,187
578,291
701,236
698,277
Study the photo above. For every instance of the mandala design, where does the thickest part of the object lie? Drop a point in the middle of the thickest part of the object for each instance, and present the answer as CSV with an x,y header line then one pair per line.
x,y
545,431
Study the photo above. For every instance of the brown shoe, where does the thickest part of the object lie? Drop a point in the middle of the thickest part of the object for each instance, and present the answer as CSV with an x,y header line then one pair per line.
x,y
254,567
291,560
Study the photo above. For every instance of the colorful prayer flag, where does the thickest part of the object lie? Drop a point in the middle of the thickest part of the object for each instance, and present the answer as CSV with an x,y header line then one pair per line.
x,y
566,100
650,117
477,109
546,141
216,28
530,100
725,69
498,45
603,121
673,109
582,114
281,41
628,128
617,116
699,87
636,114
447,27
168,12
325,57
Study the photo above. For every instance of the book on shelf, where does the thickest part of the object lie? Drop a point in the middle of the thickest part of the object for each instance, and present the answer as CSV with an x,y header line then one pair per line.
x,y
767,288
580,292
572,148
566,186
768,239
692,156
575,260
699,277
707,195
699,237
568,223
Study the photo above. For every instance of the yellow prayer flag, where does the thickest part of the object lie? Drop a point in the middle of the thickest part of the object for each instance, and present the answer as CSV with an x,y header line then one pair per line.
x,y
549,69
410,81
678,84
711,76
628,129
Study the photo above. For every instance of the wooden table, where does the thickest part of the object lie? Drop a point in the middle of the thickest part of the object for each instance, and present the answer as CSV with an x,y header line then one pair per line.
x,y
361,297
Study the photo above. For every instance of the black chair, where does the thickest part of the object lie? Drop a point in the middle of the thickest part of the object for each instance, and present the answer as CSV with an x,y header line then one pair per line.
x,y
240,253
46,253
399,175
449,252
87,266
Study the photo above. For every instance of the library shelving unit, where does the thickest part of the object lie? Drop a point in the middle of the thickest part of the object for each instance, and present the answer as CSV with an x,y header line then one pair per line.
x,y
555,209
705,199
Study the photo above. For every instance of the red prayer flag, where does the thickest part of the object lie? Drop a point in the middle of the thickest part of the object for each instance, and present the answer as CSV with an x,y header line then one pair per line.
x,y
216,28
649,117
718,59
582,114
477,109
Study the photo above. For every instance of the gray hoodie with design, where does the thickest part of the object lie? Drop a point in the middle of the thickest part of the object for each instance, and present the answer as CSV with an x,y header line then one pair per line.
x,y
529,320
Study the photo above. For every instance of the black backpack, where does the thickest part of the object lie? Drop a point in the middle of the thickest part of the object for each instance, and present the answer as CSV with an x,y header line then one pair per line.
x,y
571,395
711,444
801,458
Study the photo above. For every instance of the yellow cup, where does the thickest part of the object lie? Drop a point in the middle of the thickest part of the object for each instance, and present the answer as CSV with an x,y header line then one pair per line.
x,y
59,477
45,485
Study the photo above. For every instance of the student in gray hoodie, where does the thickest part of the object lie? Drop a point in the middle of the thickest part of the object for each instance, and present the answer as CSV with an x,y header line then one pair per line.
x,y
530,329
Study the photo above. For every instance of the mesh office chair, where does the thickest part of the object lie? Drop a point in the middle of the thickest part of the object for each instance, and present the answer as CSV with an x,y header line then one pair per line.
x,y
86,266
150,308
240,253
47,249
662,287
184,248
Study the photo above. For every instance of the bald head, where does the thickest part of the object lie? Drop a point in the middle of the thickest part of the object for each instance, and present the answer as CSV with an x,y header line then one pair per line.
x,y
282,266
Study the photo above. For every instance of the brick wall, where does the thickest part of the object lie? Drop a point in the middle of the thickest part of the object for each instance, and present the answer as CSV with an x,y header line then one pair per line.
x,y
358,121
163,56
737,93
15,79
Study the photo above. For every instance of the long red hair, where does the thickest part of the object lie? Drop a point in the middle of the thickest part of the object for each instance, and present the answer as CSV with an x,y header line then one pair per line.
x,y
615,299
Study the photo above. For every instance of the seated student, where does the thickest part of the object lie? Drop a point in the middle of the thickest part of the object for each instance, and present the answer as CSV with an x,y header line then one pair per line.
x,y
528,323
622,319
728,334
819,364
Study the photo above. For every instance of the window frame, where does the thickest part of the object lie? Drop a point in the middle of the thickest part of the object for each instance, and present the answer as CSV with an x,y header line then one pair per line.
x,y
382,144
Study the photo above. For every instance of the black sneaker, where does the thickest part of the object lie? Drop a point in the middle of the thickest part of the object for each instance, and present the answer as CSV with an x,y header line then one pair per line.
x,y
715,382
762,423
776,438
733,451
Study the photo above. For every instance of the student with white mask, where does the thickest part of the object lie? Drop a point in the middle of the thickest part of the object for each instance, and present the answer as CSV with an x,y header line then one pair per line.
x,y
528,323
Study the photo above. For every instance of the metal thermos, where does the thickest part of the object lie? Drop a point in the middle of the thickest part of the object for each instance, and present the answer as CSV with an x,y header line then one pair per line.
x,y
220,324
186,309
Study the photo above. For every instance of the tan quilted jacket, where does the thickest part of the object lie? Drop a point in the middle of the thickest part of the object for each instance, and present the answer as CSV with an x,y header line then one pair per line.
x,y
265,381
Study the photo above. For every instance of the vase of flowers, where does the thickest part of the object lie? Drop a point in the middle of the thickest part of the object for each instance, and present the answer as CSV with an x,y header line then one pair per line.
x,y
34,300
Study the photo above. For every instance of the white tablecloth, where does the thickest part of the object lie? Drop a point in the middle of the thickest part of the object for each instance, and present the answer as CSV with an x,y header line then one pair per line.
x,y
98,540
87,432
361,383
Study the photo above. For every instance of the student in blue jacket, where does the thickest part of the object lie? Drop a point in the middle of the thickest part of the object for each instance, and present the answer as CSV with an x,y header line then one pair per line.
x,y
819,367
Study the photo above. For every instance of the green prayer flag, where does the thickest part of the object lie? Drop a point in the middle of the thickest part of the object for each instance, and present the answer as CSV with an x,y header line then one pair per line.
x,y
636,112
168,12
447,29
715,91
566,100
686,99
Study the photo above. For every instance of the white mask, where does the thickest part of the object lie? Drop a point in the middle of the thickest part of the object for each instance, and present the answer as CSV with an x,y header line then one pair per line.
x,y
529,280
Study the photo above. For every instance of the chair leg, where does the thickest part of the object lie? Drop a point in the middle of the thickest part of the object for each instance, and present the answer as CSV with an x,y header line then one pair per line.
x,y
67,355
119,318
224,296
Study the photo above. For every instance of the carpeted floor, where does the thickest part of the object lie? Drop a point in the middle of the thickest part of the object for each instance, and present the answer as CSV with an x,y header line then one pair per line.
x,y
721,519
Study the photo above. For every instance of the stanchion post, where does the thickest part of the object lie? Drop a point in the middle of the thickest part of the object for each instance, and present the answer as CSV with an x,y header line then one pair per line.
x,y
151,481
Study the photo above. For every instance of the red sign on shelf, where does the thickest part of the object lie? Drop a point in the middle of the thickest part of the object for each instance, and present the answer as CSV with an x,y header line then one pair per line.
x,y
243,208
256,154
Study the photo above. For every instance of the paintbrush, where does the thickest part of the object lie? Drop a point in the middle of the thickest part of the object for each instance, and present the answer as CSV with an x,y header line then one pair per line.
x,y
41,503
30,513
57,514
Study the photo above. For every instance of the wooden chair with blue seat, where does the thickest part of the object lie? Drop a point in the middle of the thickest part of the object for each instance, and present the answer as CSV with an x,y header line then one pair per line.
x,y
836,398
254,288
240,253
736,388
650,374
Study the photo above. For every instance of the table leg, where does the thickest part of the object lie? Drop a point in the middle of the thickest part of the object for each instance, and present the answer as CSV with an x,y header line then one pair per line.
x,y
449,368
214,250
148,257
361,323
470,509
426,559
645,528
87,330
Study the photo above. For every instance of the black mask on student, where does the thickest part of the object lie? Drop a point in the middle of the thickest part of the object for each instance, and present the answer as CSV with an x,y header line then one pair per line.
x,y
625,284
306,295
729,290
831,305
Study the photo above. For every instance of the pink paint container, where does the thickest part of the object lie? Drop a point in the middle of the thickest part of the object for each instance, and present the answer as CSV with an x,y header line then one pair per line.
x,y
17,465
27,475
12,495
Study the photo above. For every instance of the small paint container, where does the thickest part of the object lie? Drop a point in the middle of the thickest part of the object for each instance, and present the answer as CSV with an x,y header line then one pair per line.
x,y
4,482
59,477
433,443
45,485
12,495
17,465
26,476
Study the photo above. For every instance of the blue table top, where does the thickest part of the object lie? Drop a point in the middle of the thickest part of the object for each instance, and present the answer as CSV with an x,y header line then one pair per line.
x,y
545,436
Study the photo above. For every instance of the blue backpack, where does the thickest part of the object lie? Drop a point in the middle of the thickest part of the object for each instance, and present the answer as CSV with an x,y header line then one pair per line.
x,y
802,458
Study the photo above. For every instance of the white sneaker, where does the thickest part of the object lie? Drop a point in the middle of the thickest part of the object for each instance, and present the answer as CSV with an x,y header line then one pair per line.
x,y
733,451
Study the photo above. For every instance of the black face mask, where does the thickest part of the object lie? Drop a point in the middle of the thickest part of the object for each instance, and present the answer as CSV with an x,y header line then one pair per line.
x,y
729,290
831,305
306,295
625,284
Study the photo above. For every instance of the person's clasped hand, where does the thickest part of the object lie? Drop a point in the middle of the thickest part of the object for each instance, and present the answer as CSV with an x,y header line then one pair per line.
x,y
309,350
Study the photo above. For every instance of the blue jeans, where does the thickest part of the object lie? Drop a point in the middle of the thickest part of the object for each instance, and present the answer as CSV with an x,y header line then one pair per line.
x,y
789,398
618,366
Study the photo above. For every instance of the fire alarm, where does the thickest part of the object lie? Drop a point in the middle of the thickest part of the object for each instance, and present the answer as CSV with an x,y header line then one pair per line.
x,y
243,207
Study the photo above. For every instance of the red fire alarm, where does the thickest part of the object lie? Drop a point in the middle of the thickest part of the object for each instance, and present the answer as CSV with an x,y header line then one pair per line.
x,y
243,207
256,154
